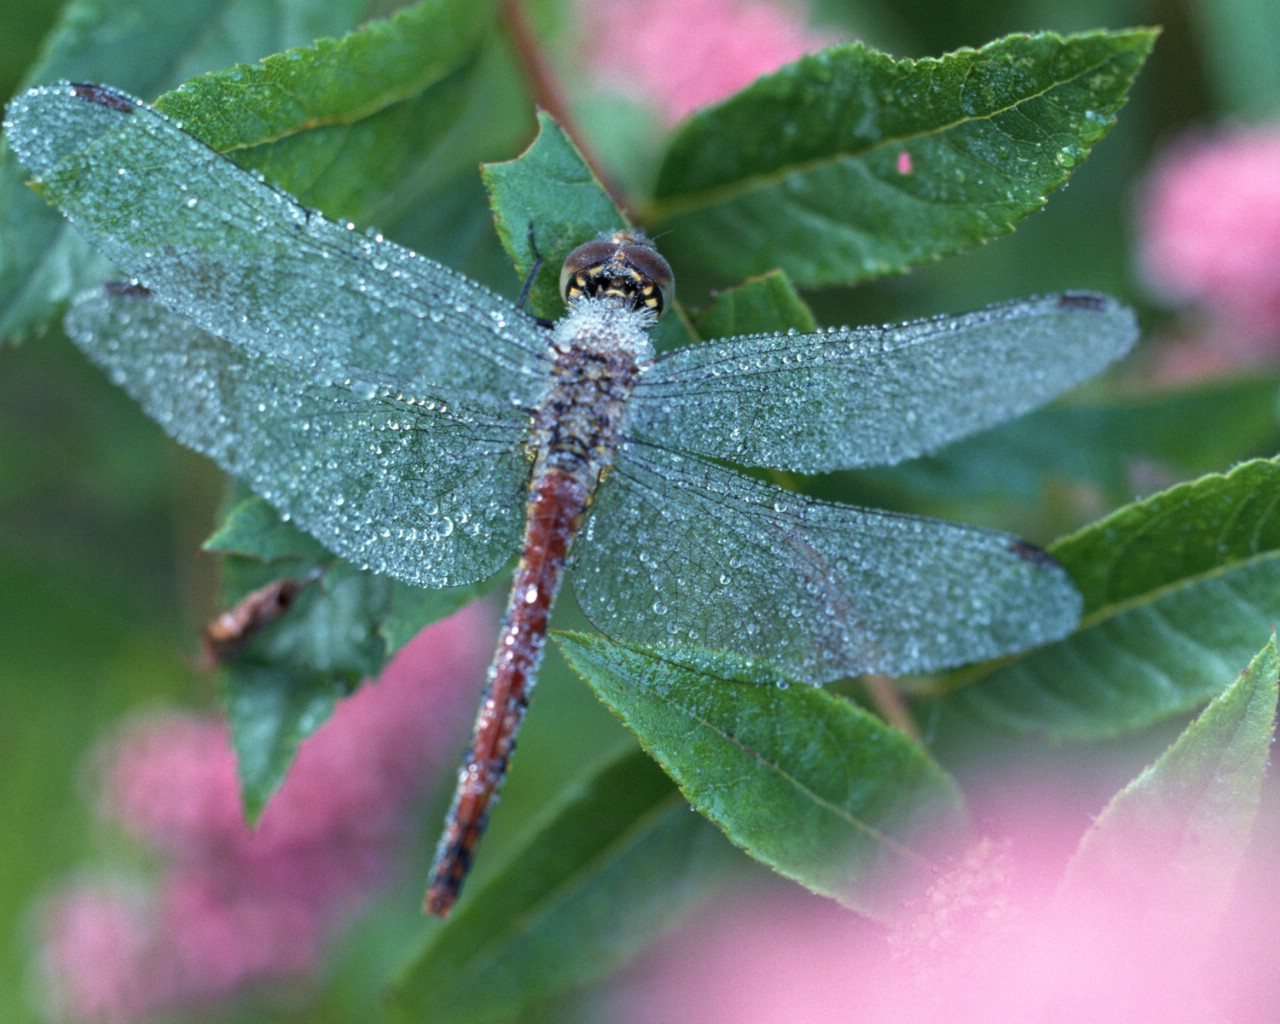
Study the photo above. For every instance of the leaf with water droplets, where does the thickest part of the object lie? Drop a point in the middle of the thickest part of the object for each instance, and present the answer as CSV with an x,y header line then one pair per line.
x,y
340,629
333,81
802,780
372,125
849,164
253,529
1179,589
550,189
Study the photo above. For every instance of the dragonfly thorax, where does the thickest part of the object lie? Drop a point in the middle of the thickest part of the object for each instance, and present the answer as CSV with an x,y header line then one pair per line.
x,y
600,351
623,266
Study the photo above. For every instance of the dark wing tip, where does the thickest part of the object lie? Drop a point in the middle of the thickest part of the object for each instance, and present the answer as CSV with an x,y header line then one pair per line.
x,y
102,95
1084,302
1029,552
127,290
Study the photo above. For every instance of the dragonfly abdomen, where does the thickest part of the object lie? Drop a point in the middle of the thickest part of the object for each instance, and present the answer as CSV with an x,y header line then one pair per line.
x,y
601,349
557,503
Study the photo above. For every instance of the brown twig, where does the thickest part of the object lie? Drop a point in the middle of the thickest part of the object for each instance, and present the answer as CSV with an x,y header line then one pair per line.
x,y
893,709
547,92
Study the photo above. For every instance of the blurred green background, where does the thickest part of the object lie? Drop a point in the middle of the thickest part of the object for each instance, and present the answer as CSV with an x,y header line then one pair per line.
x,y
102,586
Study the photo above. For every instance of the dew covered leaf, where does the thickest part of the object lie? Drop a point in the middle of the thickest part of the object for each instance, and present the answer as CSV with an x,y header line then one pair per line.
x,y
848,164
341,629
1179,589
252,529
1172,840
802,780
142,47
375,125
333,81
608,869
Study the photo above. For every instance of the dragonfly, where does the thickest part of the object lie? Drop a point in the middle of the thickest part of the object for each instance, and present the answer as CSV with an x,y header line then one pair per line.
x,y
424,427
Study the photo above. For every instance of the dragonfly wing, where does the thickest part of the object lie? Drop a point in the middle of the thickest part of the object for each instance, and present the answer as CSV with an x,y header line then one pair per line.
x,y
413,485
875,395
681,551
248,263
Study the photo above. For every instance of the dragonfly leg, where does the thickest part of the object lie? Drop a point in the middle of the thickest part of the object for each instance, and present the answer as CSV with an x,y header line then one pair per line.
x,y
529,277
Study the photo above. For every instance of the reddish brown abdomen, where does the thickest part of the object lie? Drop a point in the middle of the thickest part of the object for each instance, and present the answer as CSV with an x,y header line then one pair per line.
x,y
556,506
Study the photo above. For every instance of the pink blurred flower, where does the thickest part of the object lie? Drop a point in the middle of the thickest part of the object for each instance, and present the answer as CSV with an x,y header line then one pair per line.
x,y
1000,938
235,907
1210,235
686,54
109,928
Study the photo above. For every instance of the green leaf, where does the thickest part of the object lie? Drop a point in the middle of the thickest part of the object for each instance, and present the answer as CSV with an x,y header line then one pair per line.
x,y
346,169
848,164
140,47
1171,842
617,863
253,529
761,304
340,629
334,81
1177,588
270,711
550,189
802,780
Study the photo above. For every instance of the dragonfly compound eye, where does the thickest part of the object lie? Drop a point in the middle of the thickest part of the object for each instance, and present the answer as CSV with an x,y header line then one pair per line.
x,y
624,266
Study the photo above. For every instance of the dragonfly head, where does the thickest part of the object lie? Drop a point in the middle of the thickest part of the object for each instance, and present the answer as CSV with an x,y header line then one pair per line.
x,y
623,266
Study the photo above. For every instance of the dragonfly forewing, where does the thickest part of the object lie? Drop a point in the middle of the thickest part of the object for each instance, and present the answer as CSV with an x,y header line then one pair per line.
x,y
678,551
250,264
417,486
869,396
